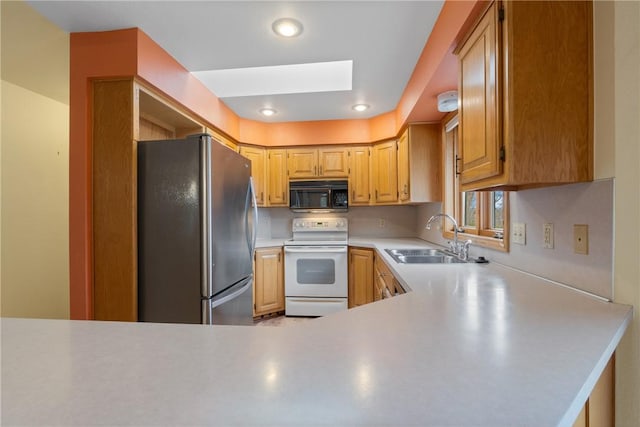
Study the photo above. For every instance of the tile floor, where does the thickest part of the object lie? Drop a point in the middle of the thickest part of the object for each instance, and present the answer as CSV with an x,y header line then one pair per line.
x,y
282,321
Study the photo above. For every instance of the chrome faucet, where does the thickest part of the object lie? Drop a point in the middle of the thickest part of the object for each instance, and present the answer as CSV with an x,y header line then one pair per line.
x,y
461,250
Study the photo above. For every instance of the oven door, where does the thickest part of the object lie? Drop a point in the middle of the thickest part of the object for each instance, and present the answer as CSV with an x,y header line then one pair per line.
x,y
315,271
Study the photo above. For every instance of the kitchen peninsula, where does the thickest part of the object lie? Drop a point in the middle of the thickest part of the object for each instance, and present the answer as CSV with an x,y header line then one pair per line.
x,y
468,344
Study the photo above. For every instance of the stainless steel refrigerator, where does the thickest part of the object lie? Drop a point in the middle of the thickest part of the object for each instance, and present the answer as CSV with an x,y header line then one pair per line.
x,y
197,220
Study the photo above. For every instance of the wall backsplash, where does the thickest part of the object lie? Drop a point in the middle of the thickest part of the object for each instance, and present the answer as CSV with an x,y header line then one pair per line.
x,y
563,206
396,221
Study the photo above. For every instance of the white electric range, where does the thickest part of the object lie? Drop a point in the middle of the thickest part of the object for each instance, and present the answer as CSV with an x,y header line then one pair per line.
x,y
316,271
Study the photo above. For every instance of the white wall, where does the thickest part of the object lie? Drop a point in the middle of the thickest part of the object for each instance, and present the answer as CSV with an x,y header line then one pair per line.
x,y
35,168
563,206
625,29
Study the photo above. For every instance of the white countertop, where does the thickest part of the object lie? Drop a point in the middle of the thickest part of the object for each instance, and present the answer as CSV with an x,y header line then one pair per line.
x,y
270,243
472,344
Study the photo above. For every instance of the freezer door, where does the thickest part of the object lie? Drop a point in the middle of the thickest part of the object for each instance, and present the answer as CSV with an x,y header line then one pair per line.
x,y
232,307
230,219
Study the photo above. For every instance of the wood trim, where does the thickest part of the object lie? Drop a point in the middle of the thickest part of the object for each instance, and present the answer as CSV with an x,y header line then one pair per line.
x,y
114,201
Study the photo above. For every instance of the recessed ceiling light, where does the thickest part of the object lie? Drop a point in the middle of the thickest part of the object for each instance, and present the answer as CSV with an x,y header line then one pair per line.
x,y
287,27
267,112
360,107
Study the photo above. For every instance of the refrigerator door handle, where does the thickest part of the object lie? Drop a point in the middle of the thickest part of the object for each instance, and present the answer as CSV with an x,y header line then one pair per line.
x,y
232,295
251,198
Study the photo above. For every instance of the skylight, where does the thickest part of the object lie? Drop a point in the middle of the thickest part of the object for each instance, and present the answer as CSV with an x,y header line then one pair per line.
x,y
279,79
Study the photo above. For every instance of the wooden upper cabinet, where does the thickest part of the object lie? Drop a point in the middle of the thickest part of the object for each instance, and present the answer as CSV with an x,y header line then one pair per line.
x,y
325,162
257,155
526,96
333,162
419,177
385,173
277,183
302,162
359,176
480,140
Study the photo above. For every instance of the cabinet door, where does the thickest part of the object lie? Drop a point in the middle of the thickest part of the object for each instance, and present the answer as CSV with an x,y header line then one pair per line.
x,y
403,167
302,162
333,162
359,182
360,276
385,181
277,178
480,135
268,289
258,170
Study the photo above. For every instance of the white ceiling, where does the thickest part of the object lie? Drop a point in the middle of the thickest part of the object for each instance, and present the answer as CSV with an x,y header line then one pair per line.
x,y
384,40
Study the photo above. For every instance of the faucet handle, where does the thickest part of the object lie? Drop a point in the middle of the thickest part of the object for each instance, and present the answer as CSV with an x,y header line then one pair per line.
x,y
464,250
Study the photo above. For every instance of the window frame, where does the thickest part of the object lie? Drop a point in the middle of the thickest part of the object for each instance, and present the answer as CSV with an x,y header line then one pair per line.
x,y
482,234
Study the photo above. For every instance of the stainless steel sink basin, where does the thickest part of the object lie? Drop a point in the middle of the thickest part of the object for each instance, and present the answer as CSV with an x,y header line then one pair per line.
x,y
415,252
422,256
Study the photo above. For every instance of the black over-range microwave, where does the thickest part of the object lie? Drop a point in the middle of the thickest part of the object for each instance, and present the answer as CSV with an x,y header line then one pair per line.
x,y
308,196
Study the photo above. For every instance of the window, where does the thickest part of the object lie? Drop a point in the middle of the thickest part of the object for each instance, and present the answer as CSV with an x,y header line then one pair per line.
x,y
483,215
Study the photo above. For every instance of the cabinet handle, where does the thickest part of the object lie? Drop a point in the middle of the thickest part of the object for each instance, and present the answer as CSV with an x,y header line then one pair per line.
x,y
376,194
261,196
457,160
315,170
406,191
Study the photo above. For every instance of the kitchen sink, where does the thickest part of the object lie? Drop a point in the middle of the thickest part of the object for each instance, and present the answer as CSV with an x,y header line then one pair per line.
x,y
422,256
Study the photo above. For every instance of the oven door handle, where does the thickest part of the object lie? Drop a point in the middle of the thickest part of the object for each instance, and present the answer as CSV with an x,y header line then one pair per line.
x,y
315,249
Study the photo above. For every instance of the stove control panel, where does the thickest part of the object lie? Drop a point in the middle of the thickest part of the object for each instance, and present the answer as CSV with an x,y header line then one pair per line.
x,y
320,224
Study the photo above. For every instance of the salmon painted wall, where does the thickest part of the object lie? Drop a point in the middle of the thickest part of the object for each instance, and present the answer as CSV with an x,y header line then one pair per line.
x,y
92,55
131,53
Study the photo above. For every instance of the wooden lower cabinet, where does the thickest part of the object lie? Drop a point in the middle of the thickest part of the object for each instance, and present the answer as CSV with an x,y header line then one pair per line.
x,y
599,410
268,286
385,282
370,279
360,276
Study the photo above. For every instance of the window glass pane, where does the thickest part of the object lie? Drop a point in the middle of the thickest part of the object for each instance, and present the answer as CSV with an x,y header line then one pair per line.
x,y
469,208
497,210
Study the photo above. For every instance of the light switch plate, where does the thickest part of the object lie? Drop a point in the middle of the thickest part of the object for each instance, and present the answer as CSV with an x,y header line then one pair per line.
x,y
519,233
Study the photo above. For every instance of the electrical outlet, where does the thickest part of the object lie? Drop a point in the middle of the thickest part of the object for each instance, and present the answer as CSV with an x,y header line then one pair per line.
x,y
381,223
581,239
519,233
547,236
